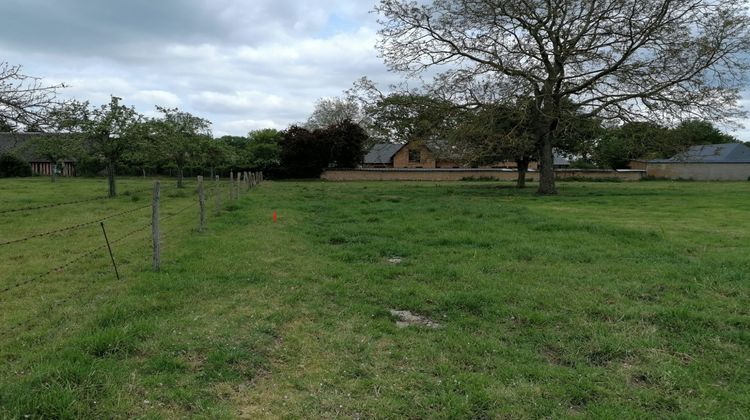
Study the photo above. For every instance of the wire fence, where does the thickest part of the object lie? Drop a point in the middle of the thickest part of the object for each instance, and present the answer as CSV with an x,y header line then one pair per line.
x,y
67,203
244,182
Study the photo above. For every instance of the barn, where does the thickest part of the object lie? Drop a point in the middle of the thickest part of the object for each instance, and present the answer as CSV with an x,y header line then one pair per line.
x,y
21,145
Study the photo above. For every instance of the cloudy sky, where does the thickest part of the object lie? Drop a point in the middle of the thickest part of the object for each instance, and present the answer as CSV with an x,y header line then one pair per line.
x,y
243,64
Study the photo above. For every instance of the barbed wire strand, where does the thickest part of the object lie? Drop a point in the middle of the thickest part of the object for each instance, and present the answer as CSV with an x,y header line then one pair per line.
x,y
68,203
74,227
71,262
30,322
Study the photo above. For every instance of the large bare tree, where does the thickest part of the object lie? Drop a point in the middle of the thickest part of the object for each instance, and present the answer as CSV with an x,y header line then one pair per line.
x,y
24,100
662,60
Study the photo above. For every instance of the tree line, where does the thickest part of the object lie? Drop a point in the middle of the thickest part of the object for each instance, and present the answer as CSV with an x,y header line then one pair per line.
x,y
606,80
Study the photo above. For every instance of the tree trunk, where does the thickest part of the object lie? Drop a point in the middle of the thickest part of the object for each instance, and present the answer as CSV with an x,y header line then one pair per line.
x,y
179,176
546,167
523,167
144,172
111,178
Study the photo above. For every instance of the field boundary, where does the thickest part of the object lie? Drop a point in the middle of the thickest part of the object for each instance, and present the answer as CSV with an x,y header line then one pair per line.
x,y
390,174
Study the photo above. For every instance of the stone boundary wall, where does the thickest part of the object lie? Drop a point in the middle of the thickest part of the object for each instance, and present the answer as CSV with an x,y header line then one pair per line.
x,y
700,171
389,174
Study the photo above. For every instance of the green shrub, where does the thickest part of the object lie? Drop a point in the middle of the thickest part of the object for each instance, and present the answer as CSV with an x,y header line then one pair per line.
x,y
13,166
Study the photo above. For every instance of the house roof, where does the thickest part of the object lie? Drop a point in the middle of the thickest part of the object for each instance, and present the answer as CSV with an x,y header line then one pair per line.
x,y
18,143
712,153
560,159
382,153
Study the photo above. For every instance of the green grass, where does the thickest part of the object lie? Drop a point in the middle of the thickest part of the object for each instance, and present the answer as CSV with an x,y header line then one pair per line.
x,y
609,300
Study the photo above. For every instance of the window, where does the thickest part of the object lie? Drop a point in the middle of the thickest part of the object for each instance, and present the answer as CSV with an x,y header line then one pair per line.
x,y
415,156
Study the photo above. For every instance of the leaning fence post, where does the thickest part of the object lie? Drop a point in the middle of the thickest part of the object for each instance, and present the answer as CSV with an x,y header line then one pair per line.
x,y
217,194
202,203
155,225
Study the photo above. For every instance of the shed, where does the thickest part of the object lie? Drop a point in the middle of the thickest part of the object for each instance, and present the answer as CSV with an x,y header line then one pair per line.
x,y
710,162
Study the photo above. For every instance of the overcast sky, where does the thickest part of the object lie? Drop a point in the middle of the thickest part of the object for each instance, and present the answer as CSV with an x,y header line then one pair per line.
x,y
243,64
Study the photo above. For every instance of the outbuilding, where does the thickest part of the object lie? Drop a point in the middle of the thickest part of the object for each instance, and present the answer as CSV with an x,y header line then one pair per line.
x,y
711,162
21,145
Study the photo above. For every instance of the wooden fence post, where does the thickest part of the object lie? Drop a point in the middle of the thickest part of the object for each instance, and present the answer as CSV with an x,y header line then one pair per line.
x,y
217,194
202,203
155,226
247,181
231,185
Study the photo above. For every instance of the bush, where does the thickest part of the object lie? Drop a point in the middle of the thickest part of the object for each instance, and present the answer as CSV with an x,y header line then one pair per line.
x,y
13,166
305,154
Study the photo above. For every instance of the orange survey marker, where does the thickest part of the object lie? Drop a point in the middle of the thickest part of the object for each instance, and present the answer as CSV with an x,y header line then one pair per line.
x,y
275,216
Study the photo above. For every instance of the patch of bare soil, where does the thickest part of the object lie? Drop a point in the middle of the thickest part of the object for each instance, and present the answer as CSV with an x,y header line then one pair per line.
x,y
408,319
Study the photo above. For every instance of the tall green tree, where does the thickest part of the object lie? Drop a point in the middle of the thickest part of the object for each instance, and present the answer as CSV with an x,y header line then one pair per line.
x,y
263,149
108,132
178,137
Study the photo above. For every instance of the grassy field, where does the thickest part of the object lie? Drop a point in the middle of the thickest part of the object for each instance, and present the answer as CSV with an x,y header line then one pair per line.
x,y
609,300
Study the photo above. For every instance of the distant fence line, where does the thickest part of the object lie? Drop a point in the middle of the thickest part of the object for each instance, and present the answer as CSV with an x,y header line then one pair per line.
x,y
389,174
243,182
236,185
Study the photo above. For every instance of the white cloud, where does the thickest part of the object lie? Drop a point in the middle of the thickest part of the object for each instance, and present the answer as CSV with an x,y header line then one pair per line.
x,y
157,97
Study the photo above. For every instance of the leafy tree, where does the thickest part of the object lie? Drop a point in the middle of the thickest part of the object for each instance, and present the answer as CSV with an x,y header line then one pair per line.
x,y
216,155
404,114
696,132
6,126
54,147
264,150
616,59
177,137
496,133
303,154
346,141
108,133
639,140
332,111
13,166
636,140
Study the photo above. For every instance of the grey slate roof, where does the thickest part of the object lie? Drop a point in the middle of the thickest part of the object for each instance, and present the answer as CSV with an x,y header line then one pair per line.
x,y
17,143
712,153
560,159
382,153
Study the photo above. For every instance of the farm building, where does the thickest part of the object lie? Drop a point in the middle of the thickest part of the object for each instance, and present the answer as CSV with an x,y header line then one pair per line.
x,y
21,145
712,162
410,155
417,155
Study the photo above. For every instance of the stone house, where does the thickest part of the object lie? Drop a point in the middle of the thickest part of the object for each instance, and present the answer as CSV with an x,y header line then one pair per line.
x,y
418,155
